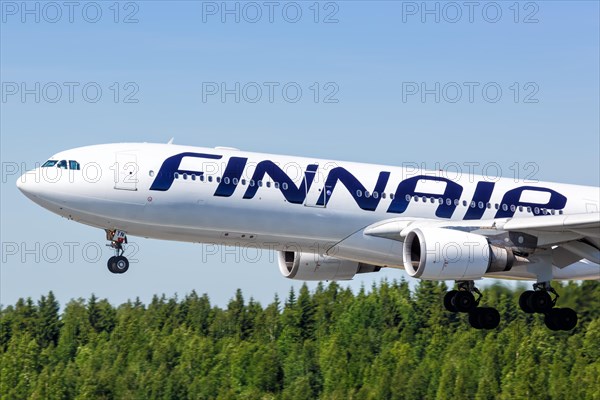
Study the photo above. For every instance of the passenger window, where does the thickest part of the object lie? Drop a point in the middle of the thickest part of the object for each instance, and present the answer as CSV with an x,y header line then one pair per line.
x,y
269,184
383,195
243,182
480,204
375,195
226,180
464,203
359,193
176,175
210,178
407,197
276,184
504,207
513,208
392,196
73,165
448,202
185,176
234,181
202,178
252,182
367,194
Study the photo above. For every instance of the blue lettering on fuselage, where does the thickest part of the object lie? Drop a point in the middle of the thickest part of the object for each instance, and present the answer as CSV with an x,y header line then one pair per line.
x,y
231,175
291,192
512,198
364,199
407,188
483,194
168,169
447,201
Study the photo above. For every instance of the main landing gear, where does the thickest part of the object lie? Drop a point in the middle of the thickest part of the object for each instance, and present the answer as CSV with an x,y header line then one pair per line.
x,y
463,301
539,301
118,263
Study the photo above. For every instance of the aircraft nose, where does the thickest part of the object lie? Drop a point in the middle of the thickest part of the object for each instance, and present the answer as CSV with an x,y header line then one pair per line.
x,y
26,184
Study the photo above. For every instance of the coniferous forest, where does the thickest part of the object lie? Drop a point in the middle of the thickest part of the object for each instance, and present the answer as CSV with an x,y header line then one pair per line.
x,y
385,342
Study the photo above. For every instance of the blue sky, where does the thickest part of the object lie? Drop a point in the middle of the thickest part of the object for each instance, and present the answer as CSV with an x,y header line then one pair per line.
x,y
364,65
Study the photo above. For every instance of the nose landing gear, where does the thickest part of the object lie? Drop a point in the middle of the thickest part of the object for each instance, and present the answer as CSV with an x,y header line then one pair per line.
x,y
117,264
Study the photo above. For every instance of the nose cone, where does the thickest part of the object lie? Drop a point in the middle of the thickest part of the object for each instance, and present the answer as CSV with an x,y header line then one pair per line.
x,y
27,185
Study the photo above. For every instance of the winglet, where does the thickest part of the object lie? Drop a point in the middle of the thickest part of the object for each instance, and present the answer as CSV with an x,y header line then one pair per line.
x,y
171,140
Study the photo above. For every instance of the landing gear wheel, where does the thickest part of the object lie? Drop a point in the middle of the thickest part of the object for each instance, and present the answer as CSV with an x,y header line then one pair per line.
x,y
121,264
111,264
448,301
489,318
464,301
524,301
484,318
552,320
561,319
569,318
474,319
540,302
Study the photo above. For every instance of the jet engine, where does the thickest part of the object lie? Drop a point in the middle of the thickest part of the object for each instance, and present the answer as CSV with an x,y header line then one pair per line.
x,y
449,254
315,267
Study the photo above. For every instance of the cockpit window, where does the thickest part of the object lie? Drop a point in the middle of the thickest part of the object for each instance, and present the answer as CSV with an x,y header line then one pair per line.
x,y
50,163
71,164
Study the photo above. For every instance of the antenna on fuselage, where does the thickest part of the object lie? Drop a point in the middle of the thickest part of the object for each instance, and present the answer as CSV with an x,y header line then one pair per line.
x,y
171,140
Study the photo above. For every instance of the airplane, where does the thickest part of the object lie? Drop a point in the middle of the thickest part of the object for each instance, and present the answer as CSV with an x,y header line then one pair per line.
x,y
331,220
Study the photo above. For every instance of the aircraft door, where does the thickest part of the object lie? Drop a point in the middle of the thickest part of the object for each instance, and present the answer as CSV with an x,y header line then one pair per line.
x,y
125,171
317,195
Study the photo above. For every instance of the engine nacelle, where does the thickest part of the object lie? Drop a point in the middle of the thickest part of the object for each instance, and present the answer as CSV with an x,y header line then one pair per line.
x,y
315,267
440,254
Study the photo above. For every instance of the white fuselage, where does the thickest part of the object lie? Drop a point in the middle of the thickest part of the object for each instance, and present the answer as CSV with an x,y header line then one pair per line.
x,y
222,195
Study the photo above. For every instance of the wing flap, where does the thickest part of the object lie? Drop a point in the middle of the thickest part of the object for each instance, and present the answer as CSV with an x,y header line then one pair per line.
x,y
556,223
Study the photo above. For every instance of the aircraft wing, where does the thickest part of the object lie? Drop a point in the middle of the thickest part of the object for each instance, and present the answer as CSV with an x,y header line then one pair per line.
x,y
570,237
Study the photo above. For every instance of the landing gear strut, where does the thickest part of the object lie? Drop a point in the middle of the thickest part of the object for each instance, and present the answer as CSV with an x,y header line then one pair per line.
x,y
539,301
118,263
463,300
